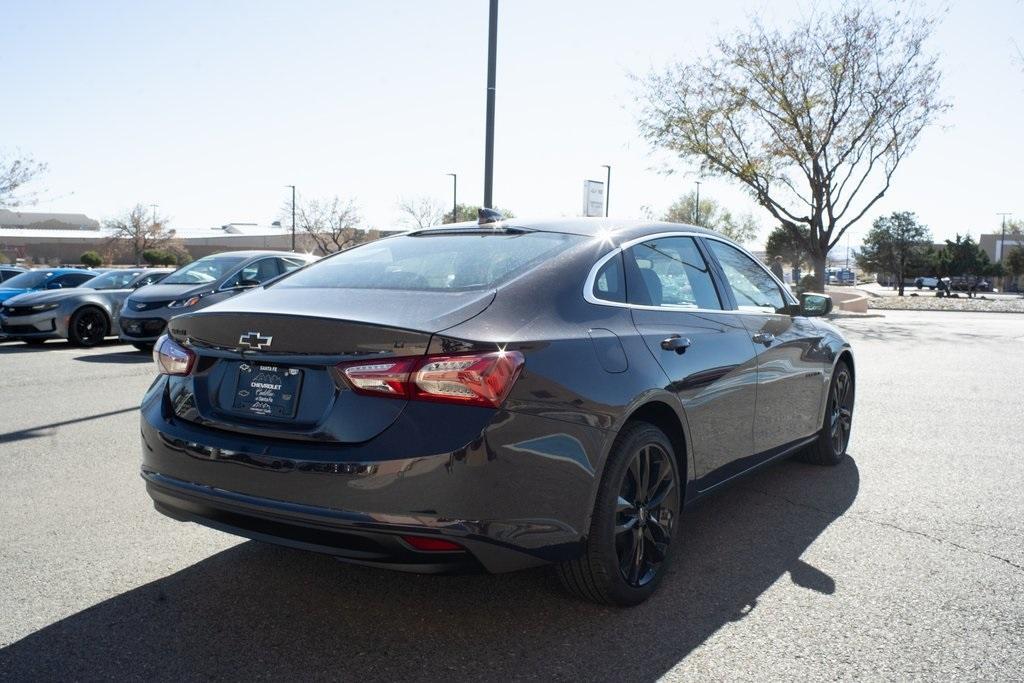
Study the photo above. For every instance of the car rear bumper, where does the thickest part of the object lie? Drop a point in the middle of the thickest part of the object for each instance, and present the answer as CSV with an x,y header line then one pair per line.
x,y
517,494
37,326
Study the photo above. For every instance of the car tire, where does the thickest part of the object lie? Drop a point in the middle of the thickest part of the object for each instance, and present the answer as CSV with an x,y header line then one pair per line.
x,y
830,446
629,545
88,327
143,346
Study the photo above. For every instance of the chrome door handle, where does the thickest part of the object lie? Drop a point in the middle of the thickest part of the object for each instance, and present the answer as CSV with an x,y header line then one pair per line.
x,y
763,337
676,343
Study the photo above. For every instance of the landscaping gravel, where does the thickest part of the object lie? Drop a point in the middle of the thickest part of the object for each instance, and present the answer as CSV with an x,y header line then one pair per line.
x,y
930,302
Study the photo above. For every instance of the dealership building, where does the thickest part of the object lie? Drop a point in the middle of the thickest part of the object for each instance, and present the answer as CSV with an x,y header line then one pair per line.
x,y
64,237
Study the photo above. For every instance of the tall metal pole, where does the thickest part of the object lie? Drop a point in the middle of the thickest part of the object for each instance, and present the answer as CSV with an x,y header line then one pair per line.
x,y
1002,247
455,198
153,206
607,189
293,215
492,58
696,206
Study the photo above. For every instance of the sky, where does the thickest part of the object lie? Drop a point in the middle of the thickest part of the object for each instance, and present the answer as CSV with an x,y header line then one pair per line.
x,y
209,109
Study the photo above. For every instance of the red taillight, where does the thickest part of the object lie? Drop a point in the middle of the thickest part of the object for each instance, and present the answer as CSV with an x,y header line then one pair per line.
x,y
172,358
432,544
480,379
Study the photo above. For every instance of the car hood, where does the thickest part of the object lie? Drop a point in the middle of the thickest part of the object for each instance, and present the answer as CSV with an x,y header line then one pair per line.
x,y
46,296
162,292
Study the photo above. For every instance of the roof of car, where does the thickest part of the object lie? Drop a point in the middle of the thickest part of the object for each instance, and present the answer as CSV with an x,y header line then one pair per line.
x,y
260,252
617,230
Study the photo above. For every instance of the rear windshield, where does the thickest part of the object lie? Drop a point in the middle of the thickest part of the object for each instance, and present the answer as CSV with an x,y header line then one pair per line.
x,y
433,262
28,280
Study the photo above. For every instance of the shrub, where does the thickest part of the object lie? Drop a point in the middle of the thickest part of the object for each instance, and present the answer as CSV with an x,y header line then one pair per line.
x,y
91,259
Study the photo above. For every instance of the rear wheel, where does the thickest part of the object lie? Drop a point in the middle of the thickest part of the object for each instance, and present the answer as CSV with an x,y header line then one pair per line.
x,y
634,520
87,327
830,446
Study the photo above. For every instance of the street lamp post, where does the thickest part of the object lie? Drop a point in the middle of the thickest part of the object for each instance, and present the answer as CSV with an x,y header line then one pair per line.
x,y
1002,245
607,189
455,197
153,206
696,205
293,215
492,59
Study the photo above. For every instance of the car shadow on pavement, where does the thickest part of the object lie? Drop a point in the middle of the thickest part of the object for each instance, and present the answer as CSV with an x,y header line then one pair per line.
x,y
128,357
14,346
49,429
259,611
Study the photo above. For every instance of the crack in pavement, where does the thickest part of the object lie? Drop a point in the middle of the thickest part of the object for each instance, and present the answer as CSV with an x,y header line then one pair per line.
x,y
889,525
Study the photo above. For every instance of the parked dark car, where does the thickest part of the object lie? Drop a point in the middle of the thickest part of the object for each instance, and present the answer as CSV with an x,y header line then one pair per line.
x,y
7,272
84,315
44,278
198,285
495,396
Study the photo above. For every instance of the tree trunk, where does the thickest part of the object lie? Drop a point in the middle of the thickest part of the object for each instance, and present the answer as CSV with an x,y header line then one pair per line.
x,y
819,266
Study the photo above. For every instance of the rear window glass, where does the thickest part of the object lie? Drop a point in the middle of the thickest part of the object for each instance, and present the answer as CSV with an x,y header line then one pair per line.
x,y
433,262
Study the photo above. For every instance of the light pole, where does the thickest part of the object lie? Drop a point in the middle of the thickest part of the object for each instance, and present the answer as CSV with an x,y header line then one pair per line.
x,y
1002,245
696,205
293,215
492,59
607,189
455,197
153,206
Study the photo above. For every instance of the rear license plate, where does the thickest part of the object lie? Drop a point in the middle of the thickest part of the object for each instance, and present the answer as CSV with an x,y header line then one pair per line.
x,y
267,390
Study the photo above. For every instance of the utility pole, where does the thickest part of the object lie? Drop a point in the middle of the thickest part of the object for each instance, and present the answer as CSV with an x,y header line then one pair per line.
x,y
153,206
455,198
696,206
607,189
492,58
293,215
1002,246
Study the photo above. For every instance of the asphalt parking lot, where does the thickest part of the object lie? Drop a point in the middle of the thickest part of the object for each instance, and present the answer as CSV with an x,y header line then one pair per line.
x,y
905,561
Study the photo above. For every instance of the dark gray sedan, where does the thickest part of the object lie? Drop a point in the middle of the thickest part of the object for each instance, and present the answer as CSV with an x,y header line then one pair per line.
x,y
199,284
84,315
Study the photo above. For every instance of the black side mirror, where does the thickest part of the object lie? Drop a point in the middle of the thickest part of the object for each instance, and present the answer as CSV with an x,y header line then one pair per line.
x,y
244,283
815,305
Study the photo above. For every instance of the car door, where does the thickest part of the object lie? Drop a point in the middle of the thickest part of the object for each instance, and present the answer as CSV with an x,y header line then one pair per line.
x,y
705,352
791,366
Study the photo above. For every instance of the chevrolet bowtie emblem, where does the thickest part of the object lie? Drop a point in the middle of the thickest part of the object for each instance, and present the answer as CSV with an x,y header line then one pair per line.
x,y
254,340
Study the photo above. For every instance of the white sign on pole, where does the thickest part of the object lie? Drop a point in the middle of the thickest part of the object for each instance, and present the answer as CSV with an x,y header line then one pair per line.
x,y
593,198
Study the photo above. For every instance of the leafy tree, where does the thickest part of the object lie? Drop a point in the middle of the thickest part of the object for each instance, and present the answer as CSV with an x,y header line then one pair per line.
x,y
790,244
138,230
812,120
159,257
963,256
91,259
332,224
15,172
420,212
468,212
1015,262
894,243
712,216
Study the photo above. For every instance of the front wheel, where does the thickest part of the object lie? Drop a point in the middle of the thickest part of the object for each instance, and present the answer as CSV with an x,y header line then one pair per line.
x,y
830,446
87,327
632,529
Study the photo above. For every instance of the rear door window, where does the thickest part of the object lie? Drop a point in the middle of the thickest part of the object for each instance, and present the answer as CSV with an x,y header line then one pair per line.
x,y
670,272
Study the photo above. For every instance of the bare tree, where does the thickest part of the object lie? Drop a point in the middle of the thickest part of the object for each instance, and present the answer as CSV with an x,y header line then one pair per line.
x,y
138,230
332,224
812,121
15,172
420,212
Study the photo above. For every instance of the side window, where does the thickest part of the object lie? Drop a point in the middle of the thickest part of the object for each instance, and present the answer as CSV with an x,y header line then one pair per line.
x,y
610,283
73,279
290,264
257,271
753,288
671,273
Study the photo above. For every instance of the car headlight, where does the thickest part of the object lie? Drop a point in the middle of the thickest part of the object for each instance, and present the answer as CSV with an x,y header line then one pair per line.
x,y
44,307
185,303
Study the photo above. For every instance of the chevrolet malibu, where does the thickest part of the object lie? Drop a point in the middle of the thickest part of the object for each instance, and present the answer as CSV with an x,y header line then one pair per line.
x,y
495,396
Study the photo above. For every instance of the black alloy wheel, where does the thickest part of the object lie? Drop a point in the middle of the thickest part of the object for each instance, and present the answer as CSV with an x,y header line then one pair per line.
x,y
830,446
88,327
645,514
634,523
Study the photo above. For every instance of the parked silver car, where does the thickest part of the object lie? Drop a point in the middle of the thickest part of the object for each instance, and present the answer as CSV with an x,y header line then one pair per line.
x,y
201,283
83,315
